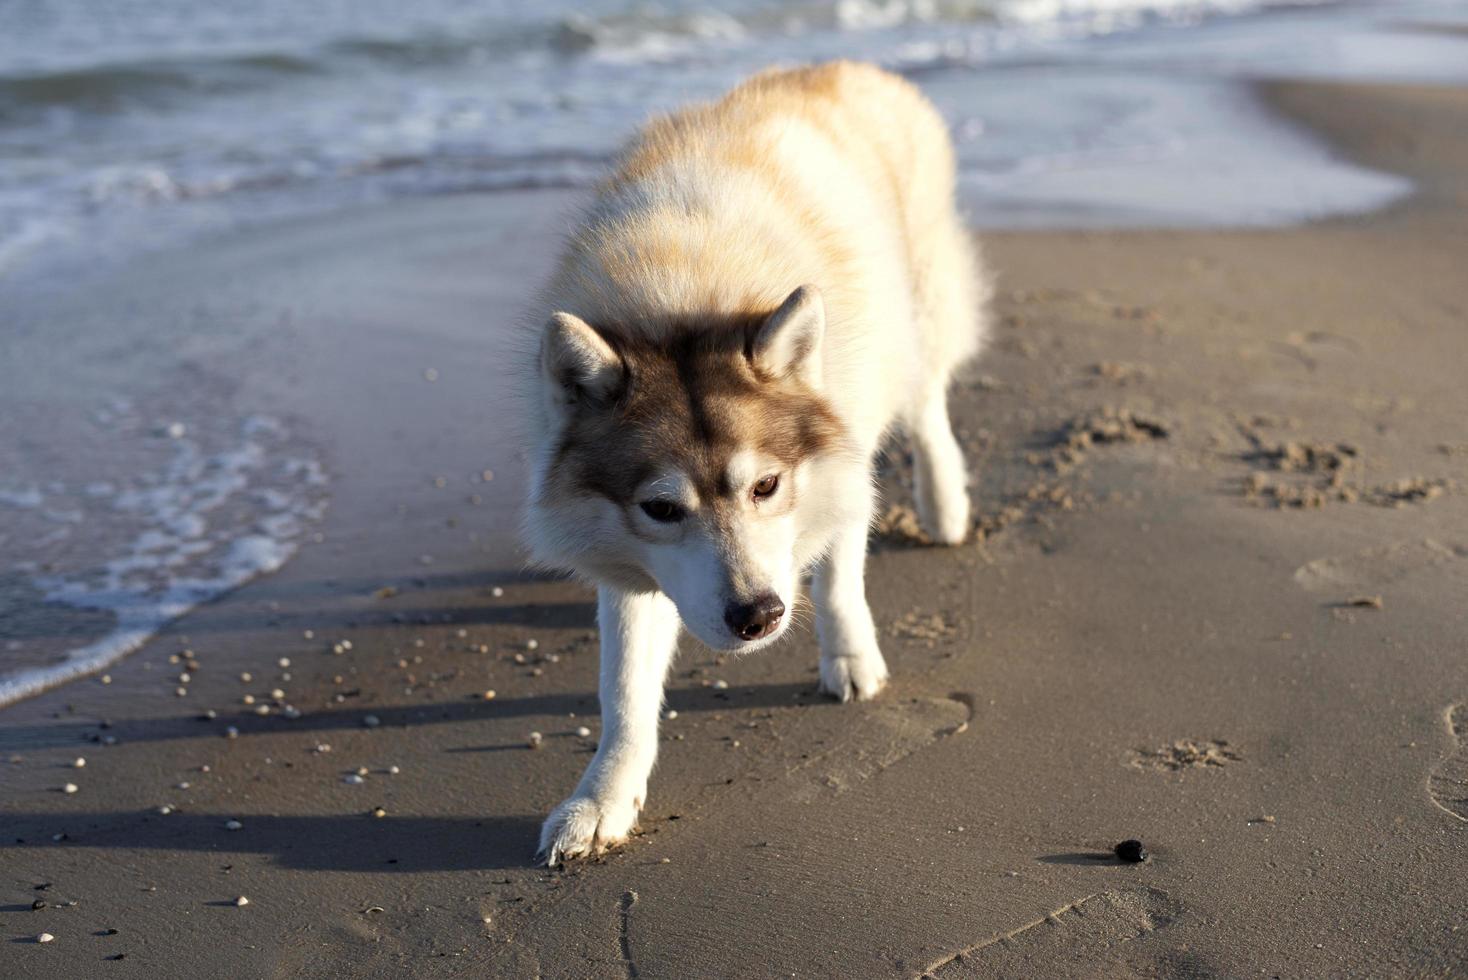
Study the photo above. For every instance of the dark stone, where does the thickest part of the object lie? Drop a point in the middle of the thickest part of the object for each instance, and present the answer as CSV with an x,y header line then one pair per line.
x,y
1131,851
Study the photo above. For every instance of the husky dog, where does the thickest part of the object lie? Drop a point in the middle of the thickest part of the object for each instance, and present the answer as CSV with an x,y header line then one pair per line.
x,y
763,288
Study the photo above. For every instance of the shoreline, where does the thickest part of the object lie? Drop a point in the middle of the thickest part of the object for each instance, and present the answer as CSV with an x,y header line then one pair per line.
x,y
1143,647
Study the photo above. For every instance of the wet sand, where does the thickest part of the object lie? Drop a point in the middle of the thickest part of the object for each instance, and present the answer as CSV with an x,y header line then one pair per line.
x,y
1195,451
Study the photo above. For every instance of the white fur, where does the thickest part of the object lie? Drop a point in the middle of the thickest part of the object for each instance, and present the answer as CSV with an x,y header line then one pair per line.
x,y
854,198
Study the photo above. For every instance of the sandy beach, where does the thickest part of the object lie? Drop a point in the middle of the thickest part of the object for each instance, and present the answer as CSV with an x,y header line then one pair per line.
x,y
1216,603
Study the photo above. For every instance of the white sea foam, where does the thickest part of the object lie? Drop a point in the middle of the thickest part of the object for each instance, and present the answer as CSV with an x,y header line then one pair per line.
x,y
205,524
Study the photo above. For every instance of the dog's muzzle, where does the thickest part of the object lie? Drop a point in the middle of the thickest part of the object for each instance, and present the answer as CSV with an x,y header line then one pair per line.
x,y
753,620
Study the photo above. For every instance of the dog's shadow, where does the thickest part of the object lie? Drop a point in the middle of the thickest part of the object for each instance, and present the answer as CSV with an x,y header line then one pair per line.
x,y
359,842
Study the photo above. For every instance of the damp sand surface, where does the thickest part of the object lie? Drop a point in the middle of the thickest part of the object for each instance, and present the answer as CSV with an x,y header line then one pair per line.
x,y
1136,645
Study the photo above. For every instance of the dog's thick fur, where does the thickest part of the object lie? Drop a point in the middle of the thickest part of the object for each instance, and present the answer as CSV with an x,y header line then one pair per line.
x,y
763,288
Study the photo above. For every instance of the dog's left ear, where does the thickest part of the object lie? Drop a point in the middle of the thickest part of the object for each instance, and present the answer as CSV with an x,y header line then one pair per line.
x,y
788,343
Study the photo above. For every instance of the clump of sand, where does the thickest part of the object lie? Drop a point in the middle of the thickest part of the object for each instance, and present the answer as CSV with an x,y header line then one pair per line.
x,y
1186,753
1329,471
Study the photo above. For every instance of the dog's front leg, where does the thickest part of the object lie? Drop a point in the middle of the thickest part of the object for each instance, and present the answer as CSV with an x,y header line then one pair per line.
x,y
851,662
639,632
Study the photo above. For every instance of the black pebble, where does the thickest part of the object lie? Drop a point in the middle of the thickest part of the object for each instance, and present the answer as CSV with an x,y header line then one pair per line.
x,y
1131,851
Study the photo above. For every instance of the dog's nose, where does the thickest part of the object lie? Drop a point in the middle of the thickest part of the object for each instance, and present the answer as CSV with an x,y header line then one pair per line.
x,y
752,620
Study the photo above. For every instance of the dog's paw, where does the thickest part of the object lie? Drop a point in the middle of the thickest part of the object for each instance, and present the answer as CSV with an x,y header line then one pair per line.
x,y
946,521
583,825
858,676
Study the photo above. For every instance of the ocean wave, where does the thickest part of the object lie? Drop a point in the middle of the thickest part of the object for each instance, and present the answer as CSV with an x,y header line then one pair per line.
x,y
207,523
638,33
155,82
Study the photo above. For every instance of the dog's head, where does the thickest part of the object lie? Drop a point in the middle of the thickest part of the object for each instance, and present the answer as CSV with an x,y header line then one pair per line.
x,y
705,463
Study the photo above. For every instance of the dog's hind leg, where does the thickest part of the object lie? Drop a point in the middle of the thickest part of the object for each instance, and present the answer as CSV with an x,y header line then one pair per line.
x,y
851,662
639,634
940,475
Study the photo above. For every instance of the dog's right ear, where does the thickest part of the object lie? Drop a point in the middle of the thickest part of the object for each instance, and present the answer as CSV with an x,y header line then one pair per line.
x,y
578,361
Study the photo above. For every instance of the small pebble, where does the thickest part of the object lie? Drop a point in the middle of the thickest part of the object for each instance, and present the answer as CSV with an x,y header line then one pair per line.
x,y
45,937
231,732
489,695
109,739
346,644
277,693
209,715
248,699
165,809
371,721
79,763
247,677
69,788
1131,851
106,678
185,677
497,592
180,785
241,902
378,811
362,770
583,732
180,692
284,662
393,770
309,634
671,714
535,739
532,644
38,904
353,779
204,768
233,825
323,747
263,709
721,685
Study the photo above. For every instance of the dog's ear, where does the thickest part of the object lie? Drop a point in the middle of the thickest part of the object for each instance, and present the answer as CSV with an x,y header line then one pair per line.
x,y
578,361
788,342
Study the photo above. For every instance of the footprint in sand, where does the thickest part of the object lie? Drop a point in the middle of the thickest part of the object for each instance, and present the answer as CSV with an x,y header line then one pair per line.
x,y
1061,943
1448,783
1372,568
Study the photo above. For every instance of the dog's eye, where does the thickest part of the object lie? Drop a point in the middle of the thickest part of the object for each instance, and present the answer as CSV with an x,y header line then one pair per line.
x,y
662,511
766,487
